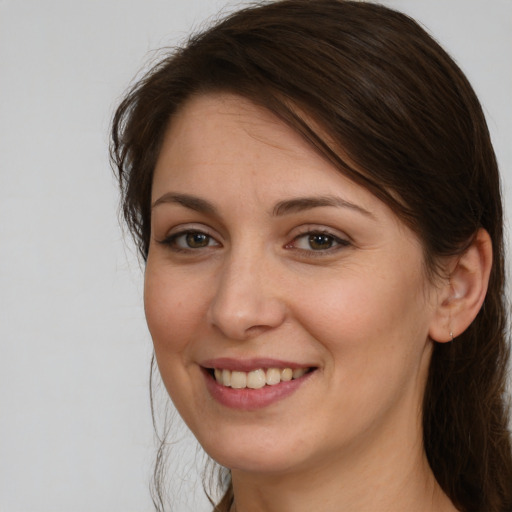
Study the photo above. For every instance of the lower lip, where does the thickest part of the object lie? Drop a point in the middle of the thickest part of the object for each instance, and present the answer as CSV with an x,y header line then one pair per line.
x,y
250,399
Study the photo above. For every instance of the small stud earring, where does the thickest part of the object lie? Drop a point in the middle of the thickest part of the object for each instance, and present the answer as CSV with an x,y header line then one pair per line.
x,y
451,336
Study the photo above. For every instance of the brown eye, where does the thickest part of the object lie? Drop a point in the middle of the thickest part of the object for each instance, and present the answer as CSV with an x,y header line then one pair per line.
x,y
196,240
320,241
190,240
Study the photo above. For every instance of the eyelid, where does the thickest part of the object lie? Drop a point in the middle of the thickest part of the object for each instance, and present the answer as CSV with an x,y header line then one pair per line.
x,y
307,229
188,227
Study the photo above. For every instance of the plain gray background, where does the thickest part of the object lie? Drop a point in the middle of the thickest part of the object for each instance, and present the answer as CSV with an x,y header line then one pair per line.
x,y
75,427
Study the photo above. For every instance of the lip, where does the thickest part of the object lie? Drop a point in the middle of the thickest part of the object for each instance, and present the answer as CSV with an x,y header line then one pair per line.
x,y
251,399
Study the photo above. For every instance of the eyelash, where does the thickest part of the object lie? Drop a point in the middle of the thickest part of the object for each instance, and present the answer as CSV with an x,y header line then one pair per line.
x,y
172,240
336,243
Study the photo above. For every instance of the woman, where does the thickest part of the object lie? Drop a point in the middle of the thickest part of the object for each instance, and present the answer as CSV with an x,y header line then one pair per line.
x,y
313,189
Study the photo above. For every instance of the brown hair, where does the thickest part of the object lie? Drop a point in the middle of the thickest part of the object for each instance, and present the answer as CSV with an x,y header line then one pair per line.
x,y
400,109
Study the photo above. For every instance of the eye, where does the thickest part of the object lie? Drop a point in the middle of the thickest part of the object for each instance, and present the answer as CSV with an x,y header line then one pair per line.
x,y
320,242
317,241
190,240
195,240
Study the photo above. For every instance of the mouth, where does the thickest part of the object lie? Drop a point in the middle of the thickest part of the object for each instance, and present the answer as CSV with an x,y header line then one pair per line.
x,y
257,378
253,384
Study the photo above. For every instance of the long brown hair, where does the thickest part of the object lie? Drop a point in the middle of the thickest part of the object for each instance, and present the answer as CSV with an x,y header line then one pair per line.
x,y
369,89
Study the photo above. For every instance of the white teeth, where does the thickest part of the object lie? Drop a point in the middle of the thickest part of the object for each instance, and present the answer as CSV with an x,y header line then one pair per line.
x,y
286,374
257,379
238,380
226,378
273,376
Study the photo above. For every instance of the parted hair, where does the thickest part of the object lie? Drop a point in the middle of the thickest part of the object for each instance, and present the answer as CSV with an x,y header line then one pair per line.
x,y
376,96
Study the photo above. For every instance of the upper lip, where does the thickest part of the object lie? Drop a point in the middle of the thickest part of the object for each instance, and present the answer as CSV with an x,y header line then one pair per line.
x,y
248,365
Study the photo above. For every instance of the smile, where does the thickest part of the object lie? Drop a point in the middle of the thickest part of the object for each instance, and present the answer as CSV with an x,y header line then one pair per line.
x,y
250,384
257,379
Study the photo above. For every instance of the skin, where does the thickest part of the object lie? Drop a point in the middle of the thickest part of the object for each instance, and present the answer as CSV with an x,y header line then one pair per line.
x,y
360,311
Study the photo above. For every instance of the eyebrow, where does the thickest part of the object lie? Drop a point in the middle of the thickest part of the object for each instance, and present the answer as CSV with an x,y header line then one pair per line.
x,y
306,203
188,201
285,207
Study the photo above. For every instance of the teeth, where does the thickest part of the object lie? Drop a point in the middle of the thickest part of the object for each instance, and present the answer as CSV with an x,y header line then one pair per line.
x,y
257,379
286,374
298,373
226,378
238,380
273,376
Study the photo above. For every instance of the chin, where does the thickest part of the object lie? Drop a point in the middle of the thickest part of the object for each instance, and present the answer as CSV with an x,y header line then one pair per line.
x,y
254,461
253,453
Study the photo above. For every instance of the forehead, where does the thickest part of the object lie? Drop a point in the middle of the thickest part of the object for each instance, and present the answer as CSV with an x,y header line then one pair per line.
x,y
217,140
218,128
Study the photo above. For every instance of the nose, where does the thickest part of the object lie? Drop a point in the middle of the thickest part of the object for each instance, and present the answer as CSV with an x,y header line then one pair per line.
x,y
248,299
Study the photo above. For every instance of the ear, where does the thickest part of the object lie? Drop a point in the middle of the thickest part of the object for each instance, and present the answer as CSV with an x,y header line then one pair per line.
x,y
462,295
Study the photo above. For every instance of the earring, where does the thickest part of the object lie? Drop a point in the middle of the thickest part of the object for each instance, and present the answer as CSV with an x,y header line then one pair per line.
x,y
451,335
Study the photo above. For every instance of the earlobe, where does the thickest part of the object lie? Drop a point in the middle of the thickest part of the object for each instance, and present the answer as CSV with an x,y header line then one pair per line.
x,y
461,298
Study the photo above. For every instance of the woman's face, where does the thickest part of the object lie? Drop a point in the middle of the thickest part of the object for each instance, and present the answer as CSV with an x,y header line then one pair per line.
x,y
265,263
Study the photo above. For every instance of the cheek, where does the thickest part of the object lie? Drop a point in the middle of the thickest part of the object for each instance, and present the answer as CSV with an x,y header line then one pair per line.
x,y
367,316
173,310
173,304
373,335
